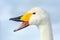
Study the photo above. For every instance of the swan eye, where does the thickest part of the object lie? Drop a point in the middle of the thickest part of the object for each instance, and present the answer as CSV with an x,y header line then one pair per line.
x,y
34,13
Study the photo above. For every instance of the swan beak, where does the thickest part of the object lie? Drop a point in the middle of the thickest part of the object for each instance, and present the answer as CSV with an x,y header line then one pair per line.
x,y
24,19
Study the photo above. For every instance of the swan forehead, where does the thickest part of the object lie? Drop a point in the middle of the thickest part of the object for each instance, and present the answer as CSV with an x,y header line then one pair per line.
x,y
36,9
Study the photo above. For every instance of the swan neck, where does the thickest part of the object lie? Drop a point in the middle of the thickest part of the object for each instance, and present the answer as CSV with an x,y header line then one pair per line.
x,y
45,32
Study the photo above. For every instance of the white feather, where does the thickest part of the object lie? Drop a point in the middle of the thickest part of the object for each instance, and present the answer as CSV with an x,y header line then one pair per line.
x,y
41,19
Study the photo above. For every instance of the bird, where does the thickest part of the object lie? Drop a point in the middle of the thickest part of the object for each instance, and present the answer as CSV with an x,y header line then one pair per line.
x,y
39,17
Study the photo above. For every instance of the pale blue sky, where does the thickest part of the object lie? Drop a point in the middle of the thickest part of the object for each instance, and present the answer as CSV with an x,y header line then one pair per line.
x,y
13,8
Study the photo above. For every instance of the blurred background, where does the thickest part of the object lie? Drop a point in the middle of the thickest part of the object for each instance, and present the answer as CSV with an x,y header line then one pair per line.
x,y
14,8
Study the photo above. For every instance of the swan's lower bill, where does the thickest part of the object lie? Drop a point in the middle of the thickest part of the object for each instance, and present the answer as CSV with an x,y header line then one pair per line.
x,y
23,25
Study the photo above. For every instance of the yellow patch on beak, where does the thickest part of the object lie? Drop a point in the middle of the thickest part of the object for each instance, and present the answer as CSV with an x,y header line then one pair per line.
x,y
26,16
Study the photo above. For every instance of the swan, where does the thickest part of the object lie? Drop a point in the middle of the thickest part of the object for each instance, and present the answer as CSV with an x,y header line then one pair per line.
x,y
39,17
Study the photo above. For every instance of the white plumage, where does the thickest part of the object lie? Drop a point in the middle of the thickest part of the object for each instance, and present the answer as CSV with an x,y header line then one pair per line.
x,y
42,20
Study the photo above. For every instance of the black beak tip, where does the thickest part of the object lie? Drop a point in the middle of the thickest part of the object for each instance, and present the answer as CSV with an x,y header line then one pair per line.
x,y
14,19
15,30
10,19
